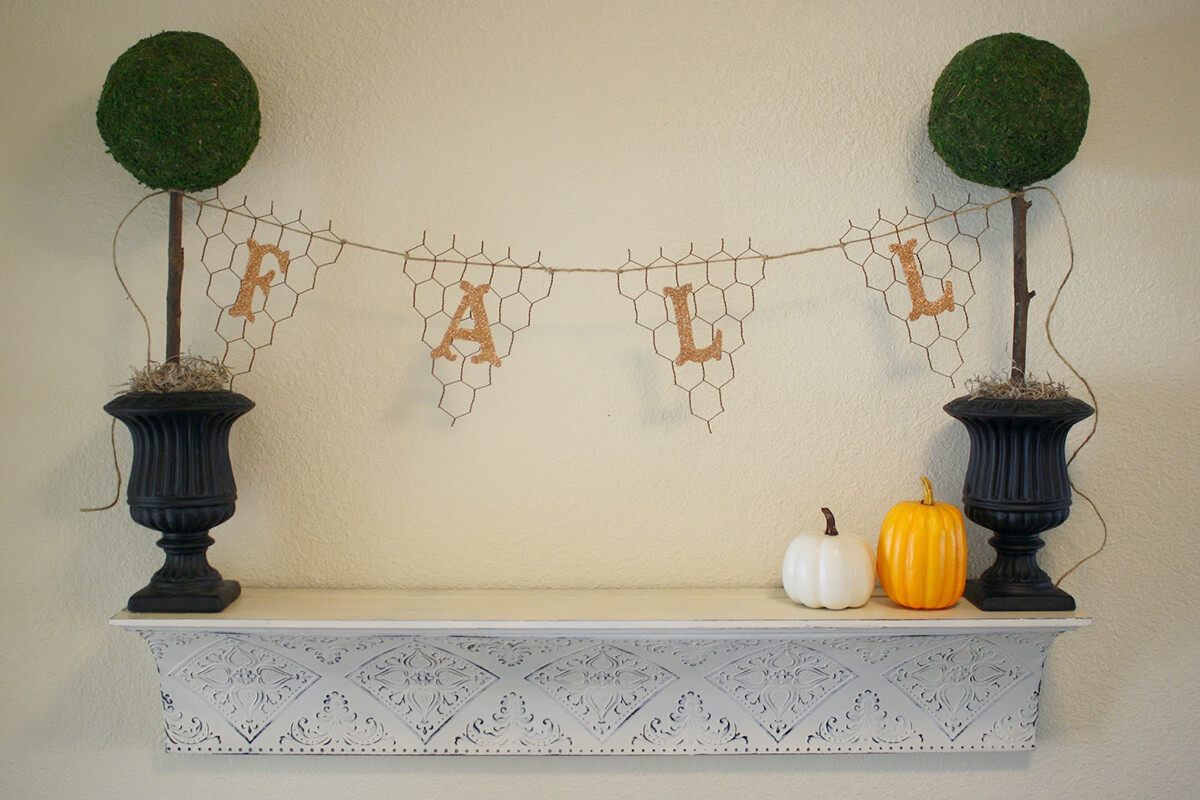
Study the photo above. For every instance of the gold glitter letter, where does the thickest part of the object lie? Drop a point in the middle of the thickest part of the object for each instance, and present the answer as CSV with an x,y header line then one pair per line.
x,y
481,332
252,280
912,274
683,321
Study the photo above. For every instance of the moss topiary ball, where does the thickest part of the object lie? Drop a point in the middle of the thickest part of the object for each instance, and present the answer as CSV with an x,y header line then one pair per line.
x,y
1009,110
180,111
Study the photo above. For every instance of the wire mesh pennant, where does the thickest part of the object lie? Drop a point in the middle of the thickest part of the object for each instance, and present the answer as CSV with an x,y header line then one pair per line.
x,y
258,268
717,294
449,288
922,265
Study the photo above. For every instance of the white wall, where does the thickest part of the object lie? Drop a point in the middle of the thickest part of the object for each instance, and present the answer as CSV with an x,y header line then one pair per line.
x,y
582,129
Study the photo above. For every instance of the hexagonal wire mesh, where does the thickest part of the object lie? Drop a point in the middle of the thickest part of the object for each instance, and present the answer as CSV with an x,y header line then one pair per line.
x,y
281,258
940,248
440,288
935,253
719,293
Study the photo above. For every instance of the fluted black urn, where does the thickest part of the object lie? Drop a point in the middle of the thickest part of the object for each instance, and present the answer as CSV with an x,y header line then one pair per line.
x,y
181,485
1017,487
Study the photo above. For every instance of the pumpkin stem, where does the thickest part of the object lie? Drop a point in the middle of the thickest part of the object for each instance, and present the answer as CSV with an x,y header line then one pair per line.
x,y
927,491
830,525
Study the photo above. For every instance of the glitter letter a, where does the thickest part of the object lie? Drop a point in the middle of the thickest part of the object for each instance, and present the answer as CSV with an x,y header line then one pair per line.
x,y
912,274
481,333
683,322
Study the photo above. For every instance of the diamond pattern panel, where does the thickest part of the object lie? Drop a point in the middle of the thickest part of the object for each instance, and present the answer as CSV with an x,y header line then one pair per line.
x,y
956,682
778,686
423,684
247,684
602,686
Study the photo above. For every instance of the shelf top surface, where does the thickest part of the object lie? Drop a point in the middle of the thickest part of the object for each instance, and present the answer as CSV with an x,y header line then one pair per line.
x,y
565,610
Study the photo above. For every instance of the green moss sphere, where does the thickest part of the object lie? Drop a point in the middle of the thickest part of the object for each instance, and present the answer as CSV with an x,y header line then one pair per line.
x,y
180,111
1009,111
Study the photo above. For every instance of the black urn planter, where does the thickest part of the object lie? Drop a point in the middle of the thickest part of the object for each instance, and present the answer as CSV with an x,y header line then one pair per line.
x,y
1017,487
181,484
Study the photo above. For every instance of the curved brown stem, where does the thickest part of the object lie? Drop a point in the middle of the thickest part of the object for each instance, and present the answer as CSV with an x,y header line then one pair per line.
x,y
830,525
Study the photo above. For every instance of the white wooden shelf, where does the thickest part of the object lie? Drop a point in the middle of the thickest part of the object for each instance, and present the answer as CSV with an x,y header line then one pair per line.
x,y
593,672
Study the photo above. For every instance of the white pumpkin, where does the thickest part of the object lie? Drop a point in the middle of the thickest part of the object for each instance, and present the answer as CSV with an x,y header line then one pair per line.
x,y
829,570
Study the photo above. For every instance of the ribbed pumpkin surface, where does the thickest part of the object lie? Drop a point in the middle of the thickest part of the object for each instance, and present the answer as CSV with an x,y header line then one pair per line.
x,y
922,555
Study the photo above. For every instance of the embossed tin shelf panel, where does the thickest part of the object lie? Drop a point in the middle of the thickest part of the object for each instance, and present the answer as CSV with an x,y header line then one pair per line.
x,y
593,672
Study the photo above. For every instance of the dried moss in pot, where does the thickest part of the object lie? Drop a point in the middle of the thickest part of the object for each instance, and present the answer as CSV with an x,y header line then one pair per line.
x,y
179,110
1009,111
188,373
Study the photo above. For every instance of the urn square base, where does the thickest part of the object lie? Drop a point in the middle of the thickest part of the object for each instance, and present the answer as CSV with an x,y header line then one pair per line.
x,y
988,598
208,599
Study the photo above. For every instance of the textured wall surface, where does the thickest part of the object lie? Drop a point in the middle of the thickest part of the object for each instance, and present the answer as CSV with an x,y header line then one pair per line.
x,y
579,130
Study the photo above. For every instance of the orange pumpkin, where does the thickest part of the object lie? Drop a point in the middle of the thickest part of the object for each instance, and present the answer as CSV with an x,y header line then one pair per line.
x,y
922,555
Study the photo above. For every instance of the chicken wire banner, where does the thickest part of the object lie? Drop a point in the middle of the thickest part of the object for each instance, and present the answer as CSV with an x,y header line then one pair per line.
x,y
695,306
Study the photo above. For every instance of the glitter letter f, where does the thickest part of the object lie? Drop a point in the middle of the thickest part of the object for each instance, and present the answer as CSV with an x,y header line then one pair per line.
x,y
253,280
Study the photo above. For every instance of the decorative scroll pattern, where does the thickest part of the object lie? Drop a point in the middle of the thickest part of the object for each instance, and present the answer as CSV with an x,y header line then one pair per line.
x,y
159,641
1018,727
329,649
598,693
718,294
871,651
922,265
512,291
602,686
248,684
695,652
689,724
866,722
512,726
511,652
781,684
956,682
185,731
335,724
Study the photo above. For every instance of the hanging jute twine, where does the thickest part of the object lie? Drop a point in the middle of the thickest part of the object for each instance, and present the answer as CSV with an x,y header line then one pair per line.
x,y
1087,386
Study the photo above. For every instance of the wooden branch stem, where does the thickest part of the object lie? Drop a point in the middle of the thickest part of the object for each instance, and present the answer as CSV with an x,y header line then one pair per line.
x,y
1021,293
174,275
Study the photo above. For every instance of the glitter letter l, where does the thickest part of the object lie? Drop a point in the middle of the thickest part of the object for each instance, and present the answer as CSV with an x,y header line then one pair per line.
x,y
683,322
912,274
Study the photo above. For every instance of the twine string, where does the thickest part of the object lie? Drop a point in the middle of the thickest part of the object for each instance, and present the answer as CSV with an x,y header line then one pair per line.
x,y
587,269
117,268
149,344
1087,386
112,435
